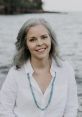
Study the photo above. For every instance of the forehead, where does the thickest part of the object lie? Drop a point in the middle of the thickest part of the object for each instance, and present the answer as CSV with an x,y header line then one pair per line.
x,y
38,29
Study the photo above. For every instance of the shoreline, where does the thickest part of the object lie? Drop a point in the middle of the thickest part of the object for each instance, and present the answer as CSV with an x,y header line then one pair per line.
x,y
33,12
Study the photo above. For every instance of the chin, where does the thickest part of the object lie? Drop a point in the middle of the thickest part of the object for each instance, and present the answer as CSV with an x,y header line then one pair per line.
x,y
41,57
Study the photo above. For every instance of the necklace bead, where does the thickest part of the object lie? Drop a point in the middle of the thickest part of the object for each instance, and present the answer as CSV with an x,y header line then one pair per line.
x,y
34,98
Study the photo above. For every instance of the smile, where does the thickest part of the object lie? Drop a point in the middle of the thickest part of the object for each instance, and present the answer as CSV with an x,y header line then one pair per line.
x,y
41,50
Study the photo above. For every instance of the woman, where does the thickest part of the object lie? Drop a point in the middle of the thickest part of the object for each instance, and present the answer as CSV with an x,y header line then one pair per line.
x,y
40,83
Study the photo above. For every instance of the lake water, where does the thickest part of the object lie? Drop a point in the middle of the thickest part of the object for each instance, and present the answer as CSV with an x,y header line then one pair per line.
x,y
68,28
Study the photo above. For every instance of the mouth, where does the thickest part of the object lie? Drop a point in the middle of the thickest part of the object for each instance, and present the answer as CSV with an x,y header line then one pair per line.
x,y
41,50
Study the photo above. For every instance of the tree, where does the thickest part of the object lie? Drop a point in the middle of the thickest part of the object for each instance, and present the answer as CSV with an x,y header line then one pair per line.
x,y
13,6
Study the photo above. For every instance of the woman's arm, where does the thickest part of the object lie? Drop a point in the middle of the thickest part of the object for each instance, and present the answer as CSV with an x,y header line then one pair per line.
x,y
8,96
72,100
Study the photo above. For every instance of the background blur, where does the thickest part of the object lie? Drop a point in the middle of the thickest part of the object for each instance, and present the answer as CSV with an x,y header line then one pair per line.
x,y
66,20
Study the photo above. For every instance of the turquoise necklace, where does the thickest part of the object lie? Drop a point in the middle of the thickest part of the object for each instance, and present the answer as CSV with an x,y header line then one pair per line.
x,y
33,94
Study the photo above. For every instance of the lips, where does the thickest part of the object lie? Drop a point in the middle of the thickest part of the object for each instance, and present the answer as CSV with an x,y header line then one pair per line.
x,y
41,50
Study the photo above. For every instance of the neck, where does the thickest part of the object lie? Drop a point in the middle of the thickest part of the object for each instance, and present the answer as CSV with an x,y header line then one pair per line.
x,y
41,64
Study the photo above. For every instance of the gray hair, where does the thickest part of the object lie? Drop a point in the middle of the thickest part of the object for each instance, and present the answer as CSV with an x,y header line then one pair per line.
x,y
23,53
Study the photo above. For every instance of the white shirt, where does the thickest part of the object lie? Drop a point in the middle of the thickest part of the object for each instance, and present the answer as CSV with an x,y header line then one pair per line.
x,y
16,99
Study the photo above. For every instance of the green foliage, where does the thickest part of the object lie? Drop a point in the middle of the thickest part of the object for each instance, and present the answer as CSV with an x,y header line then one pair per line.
x,y
23,3
12,2
13,6
1,2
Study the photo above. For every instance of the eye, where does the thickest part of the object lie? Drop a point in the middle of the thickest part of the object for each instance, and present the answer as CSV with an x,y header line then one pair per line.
x,y
32,39
44,36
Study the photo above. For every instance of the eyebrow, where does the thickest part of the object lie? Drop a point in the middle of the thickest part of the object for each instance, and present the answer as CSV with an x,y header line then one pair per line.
x,y
32,37
44,35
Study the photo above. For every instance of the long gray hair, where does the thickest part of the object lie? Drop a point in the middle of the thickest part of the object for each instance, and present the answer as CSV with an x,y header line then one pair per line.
x,y
23,54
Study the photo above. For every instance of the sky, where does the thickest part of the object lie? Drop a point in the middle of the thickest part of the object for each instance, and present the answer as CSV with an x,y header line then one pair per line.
x,y
62,5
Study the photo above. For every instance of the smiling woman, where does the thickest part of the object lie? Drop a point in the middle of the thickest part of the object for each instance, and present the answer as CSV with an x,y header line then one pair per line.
x,y
35,33
40,83
38,42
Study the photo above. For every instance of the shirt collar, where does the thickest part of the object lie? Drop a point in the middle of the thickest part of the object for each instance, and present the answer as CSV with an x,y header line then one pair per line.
x,y
29,69
53,68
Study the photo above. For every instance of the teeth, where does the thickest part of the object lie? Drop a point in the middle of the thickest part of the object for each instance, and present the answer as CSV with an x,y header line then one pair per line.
x,y
41,50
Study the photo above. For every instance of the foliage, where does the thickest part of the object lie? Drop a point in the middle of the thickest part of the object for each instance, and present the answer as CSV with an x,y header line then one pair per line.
x,y
23,3
13,6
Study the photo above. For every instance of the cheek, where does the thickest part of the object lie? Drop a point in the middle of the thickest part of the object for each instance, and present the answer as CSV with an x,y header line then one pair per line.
x,y
30,46
49,42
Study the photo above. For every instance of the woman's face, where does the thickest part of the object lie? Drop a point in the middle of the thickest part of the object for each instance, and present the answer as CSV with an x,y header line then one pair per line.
x,y
38,42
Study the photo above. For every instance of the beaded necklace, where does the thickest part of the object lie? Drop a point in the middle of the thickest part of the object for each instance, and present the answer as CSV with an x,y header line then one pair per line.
x,y
33,94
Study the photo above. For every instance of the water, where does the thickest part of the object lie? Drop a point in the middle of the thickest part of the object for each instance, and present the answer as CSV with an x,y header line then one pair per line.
x,y
68,28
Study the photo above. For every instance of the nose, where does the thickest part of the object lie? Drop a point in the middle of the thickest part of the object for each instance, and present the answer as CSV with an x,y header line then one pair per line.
x,y
39,42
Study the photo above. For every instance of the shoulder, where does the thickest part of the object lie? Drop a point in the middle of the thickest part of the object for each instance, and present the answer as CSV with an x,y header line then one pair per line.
x,y
14,76
13,72
63,63
67,64
13,69
65,67
68,67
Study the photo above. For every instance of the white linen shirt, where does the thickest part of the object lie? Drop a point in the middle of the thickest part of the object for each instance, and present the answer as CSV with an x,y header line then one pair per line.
x,y
16,99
